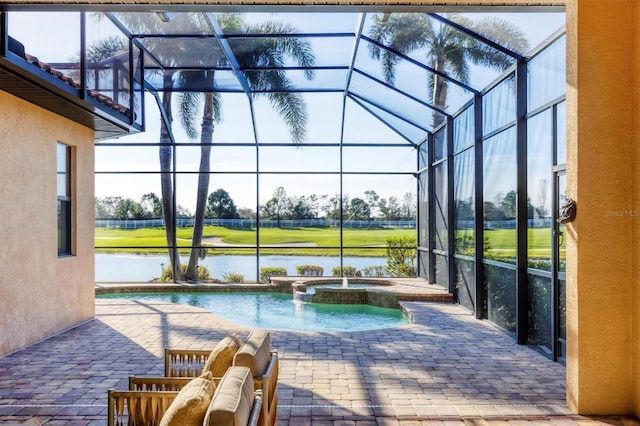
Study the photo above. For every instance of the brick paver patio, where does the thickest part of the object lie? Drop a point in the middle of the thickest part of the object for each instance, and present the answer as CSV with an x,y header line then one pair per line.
x,y
445,368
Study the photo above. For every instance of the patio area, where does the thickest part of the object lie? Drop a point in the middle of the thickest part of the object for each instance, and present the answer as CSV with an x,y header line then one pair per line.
x,y
445,368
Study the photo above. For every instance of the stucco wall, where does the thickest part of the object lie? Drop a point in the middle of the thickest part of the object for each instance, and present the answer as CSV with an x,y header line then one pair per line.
x,y
40,293
600,168
635,248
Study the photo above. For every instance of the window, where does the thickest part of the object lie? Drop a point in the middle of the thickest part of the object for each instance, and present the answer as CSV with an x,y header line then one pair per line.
x,y
64,199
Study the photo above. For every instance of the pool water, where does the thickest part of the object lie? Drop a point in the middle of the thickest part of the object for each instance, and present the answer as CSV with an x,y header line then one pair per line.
x,y
278,311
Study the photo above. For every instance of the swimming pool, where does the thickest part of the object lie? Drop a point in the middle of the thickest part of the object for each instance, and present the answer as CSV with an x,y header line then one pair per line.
x,y
278,311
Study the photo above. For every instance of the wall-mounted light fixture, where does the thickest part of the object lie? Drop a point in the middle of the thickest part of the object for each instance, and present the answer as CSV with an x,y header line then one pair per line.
x,y
567,211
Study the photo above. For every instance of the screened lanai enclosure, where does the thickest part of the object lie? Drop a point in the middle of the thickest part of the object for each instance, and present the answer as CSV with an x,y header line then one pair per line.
x,y
402,143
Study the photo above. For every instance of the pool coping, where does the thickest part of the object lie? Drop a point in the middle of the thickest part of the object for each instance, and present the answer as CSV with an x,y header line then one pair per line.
x,y
388,293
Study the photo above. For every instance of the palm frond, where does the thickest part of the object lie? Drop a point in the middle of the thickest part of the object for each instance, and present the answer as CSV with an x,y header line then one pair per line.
x,y
188,105
482,54
495,29
444,47
403,32
293,109
456,62
502,32
140,22
273,53
276,50
230,22
290,106
216,99
106,48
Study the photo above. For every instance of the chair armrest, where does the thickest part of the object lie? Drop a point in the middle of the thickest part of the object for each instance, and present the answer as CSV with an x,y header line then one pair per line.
x,y
184,362
268,384
270,376
254,418
133,407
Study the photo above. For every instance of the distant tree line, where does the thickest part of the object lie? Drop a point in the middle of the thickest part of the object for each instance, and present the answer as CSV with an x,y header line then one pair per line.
x,y
370,207
280,206
149,207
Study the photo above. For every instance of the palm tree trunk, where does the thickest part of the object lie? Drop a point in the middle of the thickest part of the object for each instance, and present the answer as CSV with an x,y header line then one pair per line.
x,y
166,181
206,137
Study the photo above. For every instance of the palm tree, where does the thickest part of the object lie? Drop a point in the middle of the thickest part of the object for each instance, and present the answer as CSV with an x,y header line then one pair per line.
x,y
446,49
256,52
269,53
188,104
164,52
166,182
111,46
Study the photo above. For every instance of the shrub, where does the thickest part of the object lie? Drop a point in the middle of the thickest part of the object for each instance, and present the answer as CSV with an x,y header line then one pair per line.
x,y
275,271
465,244
376,271
232,277
203,273
347,271
543,264
401,255
509,257
167,273
310,270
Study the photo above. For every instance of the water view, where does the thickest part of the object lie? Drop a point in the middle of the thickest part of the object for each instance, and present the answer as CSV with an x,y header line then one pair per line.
x,y
143,268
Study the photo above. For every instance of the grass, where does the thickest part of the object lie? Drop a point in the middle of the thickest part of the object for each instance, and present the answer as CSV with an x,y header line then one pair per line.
x,y
153,240
502,242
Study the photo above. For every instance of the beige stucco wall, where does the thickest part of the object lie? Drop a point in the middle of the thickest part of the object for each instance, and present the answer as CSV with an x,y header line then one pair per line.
x,y
635,224
601,267
40,293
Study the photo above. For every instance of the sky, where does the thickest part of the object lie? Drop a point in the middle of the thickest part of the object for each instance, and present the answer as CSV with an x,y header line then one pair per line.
x,y
325,114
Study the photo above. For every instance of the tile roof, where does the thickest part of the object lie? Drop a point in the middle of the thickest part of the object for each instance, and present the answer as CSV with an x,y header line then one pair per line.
x,y
100,97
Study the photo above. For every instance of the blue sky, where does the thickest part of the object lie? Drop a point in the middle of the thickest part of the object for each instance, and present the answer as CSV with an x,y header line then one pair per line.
x,y
59,43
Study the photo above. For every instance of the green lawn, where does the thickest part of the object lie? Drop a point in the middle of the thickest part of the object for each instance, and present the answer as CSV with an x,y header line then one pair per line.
x,y
502,242
155,237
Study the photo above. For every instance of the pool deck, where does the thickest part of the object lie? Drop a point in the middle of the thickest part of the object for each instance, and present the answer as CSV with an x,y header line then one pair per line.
x,y
445,368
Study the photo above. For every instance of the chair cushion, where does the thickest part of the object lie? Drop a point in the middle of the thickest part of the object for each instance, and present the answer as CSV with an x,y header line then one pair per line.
x,y
231,404
221,357
255,351
190,405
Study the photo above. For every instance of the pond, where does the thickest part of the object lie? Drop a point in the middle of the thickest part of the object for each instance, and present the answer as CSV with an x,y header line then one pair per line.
x,y
278,311
144,268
